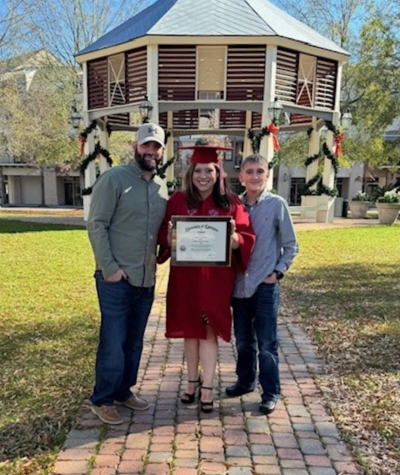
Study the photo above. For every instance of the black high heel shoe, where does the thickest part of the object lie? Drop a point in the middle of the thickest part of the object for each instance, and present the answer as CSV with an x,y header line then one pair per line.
x,y
208,406
188,398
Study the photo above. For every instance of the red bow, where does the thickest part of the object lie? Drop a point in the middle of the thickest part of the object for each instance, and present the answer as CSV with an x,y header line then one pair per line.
x,y
273,130
82,140
338,139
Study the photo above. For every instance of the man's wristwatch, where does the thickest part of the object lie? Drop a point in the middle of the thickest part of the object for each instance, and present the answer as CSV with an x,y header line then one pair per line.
x,y
279,275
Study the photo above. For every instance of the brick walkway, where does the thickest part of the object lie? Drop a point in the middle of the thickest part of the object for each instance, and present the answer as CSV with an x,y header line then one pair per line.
x,y
299,438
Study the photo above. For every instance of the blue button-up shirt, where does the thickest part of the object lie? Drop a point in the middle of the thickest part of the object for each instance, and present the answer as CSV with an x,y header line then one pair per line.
x,y
276,243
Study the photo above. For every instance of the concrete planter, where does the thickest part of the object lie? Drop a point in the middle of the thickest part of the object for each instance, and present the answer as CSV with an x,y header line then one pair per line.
x,y
388,212
358,209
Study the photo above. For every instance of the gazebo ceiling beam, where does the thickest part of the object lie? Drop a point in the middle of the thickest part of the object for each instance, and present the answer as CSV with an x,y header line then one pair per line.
x,y
254,106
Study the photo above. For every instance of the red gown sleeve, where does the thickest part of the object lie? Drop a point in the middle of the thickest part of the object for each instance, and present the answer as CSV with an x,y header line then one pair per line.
x,y
247,238
164,250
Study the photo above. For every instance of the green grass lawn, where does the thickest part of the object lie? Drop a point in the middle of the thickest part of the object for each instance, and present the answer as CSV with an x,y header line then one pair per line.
x,y
48,335
345,285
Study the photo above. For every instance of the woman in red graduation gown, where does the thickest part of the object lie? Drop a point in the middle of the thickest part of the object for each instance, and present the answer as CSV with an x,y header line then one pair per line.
x,y
198,298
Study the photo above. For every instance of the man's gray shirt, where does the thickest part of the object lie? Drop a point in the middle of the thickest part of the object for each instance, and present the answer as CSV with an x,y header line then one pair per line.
x,y
276,243
125,215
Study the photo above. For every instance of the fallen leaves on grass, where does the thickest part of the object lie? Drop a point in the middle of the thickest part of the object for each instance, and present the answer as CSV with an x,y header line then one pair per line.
x,y
345,285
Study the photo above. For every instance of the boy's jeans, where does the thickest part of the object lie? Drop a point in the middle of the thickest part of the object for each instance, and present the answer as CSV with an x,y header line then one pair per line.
x,y
124,313
256,327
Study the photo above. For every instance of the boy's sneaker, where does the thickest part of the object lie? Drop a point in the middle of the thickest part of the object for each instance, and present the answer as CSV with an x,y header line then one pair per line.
x,y
266,407
107,414
134,402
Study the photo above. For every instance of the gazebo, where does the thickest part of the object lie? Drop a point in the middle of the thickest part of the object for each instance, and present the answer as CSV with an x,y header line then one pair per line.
x,y
227,57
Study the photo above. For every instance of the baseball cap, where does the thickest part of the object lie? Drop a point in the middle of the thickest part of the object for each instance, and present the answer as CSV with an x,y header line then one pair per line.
x,y
205,153
150,132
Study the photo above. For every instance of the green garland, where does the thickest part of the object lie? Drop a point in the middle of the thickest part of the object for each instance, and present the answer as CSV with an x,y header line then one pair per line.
x,y
329,125
89,129
98,149
317,179
161,171
87,191
312,159
321,188
329,155
255,140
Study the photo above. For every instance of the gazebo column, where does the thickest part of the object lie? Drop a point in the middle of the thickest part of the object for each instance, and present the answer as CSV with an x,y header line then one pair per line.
x,y
152,79
90,172
311,171
104,144
247,150
328,178
266,146
169,152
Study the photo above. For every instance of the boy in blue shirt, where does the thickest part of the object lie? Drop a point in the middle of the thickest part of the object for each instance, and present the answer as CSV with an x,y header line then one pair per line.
x,y
255,299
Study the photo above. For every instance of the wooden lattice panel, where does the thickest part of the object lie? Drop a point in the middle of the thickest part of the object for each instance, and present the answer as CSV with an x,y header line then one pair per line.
x,y
118,119
177,73
97,83
163,119
232,119
116,79
136,74
245,73
305,80
286,75
256,119
325,92
186,119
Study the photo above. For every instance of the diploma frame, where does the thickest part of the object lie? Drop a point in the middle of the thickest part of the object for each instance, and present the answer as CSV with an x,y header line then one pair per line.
x,y
190,227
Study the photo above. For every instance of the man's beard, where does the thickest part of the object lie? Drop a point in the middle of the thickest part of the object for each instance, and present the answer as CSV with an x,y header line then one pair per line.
x,y
143,164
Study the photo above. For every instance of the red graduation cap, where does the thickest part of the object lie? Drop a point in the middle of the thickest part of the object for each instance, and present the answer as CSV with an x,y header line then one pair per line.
x,y
205,153
208,154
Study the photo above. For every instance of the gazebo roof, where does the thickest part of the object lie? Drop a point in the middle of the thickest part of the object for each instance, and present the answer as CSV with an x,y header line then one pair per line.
x,y
213,18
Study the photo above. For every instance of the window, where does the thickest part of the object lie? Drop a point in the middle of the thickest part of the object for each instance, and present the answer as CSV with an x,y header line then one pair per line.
x,y
296,190
211,66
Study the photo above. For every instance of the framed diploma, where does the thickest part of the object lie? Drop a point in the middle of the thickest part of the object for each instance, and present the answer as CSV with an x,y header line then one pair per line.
x,y
201,241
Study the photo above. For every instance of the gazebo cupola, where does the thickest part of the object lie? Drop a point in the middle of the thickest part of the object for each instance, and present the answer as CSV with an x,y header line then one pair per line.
x,y
227,59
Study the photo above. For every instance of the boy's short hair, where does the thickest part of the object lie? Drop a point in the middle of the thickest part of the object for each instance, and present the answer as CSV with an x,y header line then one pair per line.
x,y
254,158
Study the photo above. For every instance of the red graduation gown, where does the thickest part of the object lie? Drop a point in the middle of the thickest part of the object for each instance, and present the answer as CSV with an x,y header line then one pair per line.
x,y
194,291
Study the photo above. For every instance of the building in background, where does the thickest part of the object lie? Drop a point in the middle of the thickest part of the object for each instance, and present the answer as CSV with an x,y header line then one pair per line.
x,y
30,184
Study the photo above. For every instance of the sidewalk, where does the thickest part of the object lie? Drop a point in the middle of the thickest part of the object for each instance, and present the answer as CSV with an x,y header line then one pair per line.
x,y
299,438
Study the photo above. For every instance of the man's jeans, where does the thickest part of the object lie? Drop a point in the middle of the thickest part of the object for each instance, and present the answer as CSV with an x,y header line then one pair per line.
x,y
124,313
255,322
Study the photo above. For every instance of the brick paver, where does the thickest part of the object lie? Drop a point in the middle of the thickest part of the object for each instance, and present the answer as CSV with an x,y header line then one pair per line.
x,y
299,438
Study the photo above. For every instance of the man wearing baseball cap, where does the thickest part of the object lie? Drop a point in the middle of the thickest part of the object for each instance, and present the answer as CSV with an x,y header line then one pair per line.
x,y
127,207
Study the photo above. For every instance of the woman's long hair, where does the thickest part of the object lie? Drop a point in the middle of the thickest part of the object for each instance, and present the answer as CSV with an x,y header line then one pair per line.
x,y
193,196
